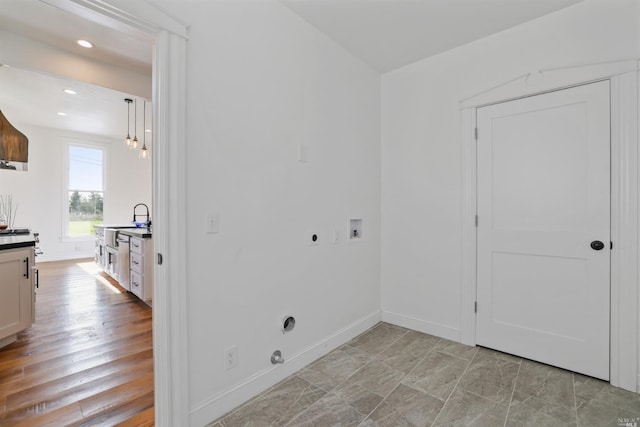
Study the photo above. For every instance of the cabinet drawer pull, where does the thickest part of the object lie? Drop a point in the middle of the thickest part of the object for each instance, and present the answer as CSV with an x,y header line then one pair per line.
x,y
26,274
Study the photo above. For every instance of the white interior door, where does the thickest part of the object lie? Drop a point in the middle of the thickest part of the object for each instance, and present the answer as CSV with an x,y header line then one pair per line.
x,y
543,198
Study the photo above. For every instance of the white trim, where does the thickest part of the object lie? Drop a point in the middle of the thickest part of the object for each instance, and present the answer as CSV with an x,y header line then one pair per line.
x,y
170,350
624,200
135,18
469,209
624,231
539,81
423,326
170,278
225,401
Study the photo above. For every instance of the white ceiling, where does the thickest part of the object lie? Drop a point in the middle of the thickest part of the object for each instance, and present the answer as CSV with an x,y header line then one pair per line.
x,y
39,21
388,34
35,98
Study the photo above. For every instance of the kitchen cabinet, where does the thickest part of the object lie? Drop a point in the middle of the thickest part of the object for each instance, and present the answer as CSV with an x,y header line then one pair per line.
x,y
141,267
17,291
101,250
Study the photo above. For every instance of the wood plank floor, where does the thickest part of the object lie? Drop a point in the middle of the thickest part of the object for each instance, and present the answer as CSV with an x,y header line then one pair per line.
x,y
87,360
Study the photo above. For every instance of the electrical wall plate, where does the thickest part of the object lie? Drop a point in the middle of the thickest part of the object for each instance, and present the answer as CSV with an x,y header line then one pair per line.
x,y
211,222
355,229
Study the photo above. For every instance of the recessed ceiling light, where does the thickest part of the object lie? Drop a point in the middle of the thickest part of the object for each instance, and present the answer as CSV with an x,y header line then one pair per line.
x,y
148,130
85,43
60,113
70,91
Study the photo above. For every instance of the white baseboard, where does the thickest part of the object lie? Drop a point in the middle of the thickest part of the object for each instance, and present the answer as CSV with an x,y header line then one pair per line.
x,y
424,326
220,404
49,256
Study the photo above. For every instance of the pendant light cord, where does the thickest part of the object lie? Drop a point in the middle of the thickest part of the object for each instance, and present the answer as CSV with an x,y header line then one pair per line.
x,y
135,120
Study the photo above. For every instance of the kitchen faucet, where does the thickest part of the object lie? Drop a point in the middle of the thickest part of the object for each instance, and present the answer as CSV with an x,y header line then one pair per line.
x,y
148,221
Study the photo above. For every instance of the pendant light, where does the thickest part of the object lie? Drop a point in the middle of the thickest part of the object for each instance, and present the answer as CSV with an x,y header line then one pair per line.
x,y
127,140
134,143
144,152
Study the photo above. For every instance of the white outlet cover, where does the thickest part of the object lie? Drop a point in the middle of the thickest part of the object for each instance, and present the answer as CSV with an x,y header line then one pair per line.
x,y
230,357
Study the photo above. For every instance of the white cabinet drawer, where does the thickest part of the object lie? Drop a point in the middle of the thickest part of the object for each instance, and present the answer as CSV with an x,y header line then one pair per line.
x,y
136,245
137,262
137,284
141,267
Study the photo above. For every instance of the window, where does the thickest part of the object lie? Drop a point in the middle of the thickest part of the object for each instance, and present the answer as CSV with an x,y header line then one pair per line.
x,y
85,190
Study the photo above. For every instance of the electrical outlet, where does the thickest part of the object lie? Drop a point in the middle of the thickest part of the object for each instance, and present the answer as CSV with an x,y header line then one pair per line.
x,y
231,357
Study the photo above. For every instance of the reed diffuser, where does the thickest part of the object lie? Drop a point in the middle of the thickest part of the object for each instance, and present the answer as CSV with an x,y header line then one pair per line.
x,y
7,211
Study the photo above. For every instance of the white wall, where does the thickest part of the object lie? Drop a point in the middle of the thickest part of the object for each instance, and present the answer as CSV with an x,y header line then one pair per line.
x,y
261,81
39,192
421,158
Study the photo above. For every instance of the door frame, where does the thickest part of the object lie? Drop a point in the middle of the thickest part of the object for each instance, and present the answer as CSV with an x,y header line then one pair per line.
x,y
169,38
625,302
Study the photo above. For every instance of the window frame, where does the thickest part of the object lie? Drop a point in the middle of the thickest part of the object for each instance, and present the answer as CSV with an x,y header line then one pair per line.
x,y
83,143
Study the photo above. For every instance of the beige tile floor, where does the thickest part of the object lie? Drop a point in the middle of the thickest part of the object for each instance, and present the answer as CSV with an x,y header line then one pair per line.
x,y
395,377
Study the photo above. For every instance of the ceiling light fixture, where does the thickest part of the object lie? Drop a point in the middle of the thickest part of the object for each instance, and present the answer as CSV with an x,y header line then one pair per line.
x,y
144,152
134,143
127,140
60,113
70,92
85,43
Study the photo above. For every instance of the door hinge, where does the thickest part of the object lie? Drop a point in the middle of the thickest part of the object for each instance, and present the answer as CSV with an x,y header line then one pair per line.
x,y
476,220
475,307
475,133
611,245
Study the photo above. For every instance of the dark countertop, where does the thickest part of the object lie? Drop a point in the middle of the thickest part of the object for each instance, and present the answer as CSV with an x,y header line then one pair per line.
x,y
142,232
113,225
17,241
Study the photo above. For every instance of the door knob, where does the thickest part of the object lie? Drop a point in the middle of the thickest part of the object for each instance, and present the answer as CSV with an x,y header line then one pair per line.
x,y
597,245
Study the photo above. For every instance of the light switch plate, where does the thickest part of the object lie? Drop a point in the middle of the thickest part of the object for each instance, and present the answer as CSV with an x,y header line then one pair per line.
x,y
211,222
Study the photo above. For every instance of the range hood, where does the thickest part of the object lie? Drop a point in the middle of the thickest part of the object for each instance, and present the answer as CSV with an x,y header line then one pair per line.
x,y
14,146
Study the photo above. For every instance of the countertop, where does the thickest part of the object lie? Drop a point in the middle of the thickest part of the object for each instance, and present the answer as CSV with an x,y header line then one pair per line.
x,y
142,232
17,241
114,226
